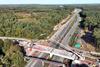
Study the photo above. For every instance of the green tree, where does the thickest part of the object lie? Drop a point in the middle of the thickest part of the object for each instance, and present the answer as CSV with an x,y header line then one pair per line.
x,y
97,36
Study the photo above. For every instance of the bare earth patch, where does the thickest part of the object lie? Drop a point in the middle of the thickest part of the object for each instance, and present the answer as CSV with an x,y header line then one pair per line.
x,y
88,47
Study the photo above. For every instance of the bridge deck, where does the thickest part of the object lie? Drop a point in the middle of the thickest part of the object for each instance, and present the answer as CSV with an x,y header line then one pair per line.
x,y
51,51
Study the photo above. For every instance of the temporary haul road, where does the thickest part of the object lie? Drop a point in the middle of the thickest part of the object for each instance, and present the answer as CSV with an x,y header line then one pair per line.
x,y
58,48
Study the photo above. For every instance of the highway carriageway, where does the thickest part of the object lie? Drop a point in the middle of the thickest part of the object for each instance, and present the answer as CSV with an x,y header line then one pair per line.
x,y
60,34
50,61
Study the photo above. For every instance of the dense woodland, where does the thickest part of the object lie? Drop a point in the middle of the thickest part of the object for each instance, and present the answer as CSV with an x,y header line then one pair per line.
x,y
30,22
11,55
91,22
